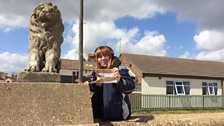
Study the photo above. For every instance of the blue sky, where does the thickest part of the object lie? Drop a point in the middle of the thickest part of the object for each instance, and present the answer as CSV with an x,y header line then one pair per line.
x,y
179,35
175,28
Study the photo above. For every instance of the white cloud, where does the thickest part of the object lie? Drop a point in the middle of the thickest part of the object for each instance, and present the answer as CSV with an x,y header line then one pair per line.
x,y
99,10
185,55
217,55
99,19
95,34
209,40
210,45
152,43
13,63
8,23
113,9
106,33
206,13
207,17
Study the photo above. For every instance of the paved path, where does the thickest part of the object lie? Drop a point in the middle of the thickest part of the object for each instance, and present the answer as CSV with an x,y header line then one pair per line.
x,y
198,119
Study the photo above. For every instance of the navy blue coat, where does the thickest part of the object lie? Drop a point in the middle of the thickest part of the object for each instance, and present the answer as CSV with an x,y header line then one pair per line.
x,y
110,101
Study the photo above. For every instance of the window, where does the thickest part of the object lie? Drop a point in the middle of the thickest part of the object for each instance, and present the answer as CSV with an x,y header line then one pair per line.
x,y
187,87
178,87
209,88
169,87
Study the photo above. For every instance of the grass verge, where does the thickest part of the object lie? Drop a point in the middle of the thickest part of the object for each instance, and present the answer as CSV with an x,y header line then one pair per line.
x,y
187,111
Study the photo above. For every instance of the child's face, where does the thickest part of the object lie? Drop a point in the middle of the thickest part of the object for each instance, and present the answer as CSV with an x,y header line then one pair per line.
x,y
103,60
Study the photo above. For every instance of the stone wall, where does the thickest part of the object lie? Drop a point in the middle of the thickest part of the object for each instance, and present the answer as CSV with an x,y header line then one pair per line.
x,y
38,77
37,103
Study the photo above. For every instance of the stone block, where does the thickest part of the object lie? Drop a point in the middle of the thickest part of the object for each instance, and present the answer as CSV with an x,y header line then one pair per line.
x,y
35,103
38,77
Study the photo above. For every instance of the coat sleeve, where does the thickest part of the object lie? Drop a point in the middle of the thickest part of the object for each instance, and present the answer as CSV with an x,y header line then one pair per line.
x,y
92,87
127,83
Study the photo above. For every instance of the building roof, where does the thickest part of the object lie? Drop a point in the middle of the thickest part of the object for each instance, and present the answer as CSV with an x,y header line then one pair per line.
x,y
74,64
155,65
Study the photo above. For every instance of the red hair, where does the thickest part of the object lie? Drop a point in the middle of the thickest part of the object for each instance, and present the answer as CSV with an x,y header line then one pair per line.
x,y
106,51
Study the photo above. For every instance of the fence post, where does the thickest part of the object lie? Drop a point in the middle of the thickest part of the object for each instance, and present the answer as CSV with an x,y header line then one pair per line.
x,y
169,102
148,101
203,101
222,101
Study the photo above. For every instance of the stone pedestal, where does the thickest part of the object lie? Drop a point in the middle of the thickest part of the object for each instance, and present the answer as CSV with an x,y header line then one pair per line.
x,y
44,104
38,77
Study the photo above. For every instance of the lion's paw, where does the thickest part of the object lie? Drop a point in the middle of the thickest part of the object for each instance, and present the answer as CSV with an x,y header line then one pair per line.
x,y
33,69
49,69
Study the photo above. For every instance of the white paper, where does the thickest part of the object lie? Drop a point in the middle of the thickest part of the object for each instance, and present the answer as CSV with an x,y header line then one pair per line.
x,y
106,75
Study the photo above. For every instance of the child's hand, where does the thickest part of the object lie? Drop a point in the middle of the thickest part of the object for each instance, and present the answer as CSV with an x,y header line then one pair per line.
x,y
86,82
99,82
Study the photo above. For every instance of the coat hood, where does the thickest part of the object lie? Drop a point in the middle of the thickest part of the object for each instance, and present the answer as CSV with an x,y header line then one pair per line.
x,y
115,63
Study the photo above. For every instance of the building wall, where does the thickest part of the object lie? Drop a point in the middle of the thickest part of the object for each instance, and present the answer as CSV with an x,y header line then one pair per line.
x,y
66,75
69,72
65,72
156,85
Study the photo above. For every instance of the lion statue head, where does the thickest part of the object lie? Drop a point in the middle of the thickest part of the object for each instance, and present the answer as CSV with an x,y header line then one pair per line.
x,y
45,38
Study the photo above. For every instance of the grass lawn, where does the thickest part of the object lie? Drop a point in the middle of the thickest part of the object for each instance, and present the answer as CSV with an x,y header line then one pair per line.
x,y
150,112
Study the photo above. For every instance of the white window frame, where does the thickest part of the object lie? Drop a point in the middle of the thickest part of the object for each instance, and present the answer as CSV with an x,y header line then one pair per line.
x,y
182,86
212,87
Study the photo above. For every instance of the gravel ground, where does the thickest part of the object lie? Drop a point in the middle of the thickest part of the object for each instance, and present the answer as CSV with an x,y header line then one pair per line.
x,y
198,119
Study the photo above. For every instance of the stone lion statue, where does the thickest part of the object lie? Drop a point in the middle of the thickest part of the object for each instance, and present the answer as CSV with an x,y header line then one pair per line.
x,y
45,38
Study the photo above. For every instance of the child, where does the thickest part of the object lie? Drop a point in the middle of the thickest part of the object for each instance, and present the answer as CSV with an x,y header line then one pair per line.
x,y
110,101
